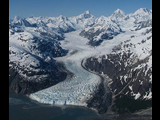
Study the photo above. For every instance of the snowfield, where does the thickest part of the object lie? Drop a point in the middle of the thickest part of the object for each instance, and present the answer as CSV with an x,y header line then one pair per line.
x,y
40,37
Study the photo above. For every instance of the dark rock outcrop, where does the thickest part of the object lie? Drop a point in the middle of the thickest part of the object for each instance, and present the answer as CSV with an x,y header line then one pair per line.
x,y
101,100
25,82
122,76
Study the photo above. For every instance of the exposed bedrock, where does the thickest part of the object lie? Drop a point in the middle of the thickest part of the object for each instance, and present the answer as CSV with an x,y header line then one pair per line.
x,y
22,81
102,98
129,81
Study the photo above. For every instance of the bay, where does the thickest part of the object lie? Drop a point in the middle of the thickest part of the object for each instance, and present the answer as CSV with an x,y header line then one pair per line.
x,y
23,108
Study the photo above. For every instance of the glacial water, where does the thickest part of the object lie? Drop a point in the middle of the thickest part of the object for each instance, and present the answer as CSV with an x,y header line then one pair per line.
x,y
23,108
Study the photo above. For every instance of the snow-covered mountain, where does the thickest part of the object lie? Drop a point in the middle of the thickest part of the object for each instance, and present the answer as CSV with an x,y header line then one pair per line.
x,y
41,50
32,49
129,63
83,20
103,29
118,15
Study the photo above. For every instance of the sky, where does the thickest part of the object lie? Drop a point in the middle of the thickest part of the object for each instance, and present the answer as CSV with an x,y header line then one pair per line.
x,y
68,8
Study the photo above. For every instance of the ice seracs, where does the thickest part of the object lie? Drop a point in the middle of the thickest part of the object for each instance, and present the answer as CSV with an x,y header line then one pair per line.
x,y
37,43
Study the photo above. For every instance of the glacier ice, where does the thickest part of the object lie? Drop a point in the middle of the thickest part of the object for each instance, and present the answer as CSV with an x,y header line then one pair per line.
x,y
74,91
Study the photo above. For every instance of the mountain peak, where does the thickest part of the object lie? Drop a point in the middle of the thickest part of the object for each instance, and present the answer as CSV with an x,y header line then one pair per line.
x,y
16,18
143,11
86,14
118,14
62,18
119,11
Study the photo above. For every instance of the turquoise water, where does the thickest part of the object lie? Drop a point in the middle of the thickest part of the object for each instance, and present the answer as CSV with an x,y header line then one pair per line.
x,y
22,108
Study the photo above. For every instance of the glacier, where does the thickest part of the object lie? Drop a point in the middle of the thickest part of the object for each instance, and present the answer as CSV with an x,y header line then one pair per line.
x,y
81,87
83,84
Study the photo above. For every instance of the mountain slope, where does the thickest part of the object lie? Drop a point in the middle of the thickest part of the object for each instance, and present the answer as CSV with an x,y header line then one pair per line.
x,y
128,66
83,20
103,29
31,57
43,51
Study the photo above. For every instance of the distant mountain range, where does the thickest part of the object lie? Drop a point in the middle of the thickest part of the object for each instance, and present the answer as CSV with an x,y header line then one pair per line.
x,y
35,43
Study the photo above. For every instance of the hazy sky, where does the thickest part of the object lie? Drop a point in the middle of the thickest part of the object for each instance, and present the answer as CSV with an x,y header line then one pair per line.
x,y
27,8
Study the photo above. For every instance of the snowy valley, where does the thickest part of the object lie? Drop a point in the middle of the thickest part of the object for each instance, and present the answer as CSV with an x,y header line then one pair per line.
x,y
83,60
